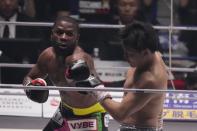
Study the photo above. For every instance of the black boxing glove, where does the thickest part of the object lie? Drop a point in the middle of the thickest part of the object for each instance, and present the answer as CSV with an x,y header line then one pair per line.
x,y
95,83
39,96
91,81
77,71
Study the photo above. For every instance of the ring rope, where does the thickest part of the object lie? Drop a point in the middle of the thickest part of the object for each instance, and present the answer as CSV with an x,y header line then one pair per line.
x,y
168,97
49,24
114,96
16,65
176,69
112,89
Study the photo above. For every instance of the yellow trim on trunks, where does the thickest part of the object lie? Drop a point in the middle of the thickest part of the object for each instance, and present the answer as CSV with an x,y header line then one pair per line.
x,y
85,111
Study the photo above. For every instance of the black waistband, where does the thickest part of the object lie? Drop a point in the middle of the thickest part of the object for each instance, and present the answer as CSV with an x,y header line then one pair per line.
x,y
134,128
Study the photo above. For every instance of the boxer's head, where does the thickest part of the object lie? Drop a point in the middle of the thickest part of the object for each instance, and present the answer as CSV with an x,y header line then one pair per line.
x,y
65,35
139,40
8,8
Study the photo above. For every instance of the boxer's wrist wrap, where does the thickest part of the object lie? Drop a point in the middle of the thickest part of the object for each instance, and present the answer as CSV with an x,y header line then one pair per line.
x,y
101,95
39,96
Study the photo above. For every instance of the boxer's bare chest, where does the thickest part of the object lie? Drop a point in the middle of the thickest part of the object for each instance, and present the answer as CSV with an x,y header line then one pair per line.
x,y
56,70
56,73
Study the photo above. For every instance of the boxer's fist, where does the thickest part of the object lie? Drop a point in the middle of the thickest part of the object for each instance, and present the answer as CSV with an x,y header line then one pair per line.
x,y
37,82
39,96
101,95
91,81
77,70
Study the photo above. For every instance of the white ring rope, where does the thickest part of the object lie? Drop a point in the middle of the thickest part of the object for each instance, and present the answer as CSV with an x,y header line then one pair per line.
x,y
49,24
176,97
46,24
169,97
176,69
16,65
111,89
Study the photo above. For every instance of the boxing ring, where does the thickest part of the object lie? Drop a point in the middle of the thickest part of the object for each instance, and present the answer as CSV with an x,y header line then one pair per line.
x,y
18,113
19,109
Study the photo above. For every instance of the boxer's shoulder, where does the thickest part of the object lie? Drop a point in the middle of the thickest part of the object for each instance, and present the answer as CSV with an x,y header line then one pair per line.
x,y
81,55
46,56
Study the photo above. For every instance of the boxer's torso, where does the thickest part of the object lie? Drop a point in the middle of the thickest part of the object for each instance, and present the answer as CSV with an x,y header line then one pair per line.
x,y
56,69
150,114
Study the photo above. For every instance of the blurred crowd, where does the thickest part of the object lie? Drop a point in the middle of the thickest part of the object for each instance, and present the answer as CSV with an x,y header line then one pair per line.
x,y
104,41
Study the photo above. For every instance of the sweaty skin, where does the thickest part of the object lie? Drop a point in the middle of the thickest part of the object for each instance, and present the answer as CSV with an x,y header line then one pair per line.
x,y
52,64
141,109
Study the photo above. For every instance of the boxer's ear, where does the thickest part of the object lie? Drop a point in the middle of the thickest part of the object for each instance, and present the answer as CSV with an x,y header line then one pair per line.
x,y
77,38
52,35
145,52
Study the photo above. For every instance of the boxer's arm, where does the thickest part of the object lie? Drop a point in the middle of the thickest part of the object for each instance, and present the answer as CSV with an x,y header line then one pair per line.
x,y
91,65
119,83
34,73
37,71
130,104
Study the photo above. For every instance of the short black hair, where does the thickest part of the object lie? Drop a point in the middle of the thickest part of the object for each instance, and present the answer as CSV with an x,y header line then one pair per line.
x,y
68,19
140,36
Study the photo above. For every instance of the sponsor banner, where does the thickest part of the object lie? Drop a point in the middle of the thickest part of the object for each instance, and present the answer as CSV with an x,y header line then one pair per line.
x,y
180,106
83,125
110,73
178,114
187,101
18,104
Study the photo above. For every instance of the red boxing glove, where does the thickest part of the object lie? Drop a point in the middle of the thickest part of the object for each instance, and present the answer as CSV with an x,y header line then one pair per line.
x,y
38,82
39,96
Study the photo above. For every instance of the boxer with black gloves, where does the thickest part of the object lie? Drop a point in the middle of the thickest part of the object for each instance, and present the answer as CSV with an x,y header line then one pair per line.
x,y
39,96
65,63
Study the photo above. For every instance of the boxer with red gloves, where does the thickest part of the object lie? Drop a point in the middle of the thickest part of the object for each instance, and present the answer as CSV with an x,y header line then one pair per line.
x,y
65,63
39,96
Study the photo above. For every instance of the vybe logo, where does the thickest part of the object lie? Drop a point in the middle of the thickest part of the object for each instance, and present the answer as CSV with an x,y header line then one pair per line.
x,y
83,124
